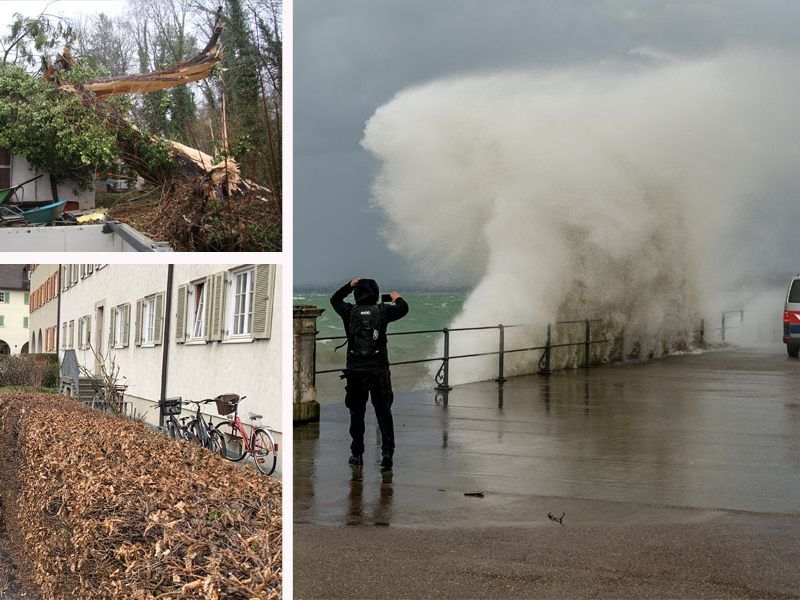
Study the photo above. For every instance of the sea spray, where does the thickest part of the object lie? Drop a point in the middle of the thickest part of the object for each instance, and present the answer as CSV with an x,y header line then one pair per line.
x,y
602,193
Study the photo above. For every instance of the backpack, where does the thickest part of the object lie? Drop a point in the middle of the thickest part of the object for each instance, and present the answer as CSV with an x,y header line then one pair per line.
x,y
364,332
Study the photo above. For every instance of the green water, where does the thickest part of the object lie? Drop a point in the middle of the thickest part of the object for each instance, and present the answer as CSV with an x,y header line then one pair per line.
x,y
427,310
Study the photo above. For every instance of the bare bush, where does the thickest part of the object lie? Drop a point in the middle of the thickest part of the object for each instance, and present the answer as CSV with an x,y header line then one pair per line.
x,y
24,370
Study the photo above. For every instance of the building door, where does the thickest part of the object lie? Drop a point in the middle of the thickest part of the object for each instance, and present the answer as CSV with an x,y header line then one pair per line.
x,y
99,337
5,168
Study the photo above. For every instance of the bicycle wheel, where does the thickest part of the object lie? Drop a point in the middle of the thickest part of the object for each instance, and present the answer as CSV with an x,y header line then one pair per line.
x,y
195,434
216,443
264,451
234,444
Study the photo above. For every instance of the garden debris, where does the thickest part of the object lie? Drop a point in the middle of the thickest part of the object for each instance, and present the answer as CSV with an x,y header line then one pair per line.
x,y
99,507
474,494
559,520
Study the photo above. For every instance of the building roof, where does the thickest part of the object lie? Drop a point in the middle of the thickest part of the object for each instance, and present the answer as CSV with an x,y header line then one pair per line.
x,y
14,277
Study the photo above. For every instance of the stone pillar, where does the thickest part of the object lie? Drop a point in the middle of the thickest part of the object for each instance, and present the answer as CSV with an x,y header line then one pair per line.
x,y
306,407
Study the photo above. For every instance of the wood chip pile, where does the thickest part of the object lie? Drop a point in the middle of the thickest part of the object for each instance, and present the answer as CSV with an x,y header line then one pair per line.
x,y
99,507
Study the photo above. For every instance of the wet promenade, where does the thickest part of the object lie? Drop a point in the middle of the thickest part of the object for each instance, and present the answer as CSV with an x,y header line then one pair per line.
x,y
679,476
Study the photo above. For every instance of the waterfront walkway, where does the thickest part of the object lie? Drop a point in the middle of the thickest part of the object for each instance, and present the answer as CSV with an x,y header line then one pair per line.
x,y
678,477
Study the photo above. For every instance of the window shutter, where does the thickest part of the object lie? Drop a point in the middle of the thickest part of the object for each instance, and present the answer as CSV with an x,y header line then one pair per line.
x,y
126,325
180,319
217,307
74,274
158,325
88,343
138,329
262,301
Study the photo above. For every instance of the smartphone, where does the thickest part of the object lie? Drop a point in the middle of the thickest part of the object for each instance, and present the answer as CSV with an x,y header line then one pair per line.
x,y
386,298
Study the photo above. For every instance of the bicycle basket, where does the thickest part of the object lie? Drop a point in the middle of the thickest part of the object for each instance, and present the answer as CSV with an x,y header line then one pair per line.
x,y
226,403
172,406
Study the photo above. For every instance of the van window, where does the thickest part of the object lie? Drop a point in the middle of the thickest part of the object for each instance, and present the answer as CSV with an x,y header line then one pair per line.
x,y
794,291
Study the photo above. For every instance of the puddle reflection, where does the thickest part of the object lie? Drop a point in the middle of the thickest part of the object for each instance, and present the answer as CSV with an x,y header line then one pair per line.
x,y
381,513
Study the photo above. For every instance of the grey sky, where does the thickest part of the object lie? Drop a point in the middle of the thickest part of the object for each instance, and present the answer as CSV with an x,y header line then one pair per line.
x,y
351,56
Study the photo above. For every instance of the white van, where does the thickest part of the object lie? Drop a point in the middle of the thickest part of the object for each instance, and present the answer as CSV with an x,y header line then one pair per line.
x,y
791,318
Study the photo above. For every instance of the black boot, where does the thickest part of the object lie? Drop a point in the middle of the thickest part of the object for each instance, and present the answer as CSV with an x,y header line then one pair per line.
x,y
356,459
387,462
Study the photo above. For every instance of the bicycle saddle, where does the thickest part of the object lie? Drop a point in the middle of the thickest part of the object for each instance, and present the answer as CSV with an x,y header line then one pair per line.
x,y
255,417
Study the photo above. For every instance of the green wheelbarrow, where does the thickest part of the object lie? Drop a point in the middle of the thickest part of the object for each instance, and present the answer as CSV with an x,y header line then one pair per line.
x,y
6,193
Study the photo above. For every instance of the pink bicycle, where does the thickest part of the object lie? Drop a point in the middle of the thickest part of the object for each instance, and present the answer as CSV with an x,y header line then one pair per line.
x,y
258,443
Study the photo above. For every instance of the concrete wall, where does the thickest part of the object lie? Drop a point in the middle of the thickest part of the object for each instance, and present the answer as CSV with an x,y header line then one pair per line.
x,y
197,369
67,238
13,331
46,315
40,190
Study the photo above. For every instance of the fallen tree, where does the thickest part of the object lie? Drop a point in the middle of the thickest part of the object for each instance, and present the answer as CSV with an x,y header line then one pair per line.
x,y
95,506
71,126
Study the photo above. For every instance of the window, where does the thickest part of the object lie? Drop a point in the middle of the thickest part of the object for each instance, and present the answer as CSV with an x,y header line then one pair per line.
x,y
197,325
64,335
241,296
148,320
118,326
71,338
84,329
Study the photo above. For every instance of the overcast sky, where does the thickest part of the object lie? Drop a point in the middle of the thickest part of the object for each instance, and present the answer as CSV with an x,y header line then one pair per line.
x,y
351,56
65,8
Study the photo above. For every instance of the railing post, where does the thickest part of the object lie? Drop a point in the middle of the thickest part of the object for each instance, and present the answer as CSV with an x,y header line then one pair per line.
x,y
723,328
588,344
443,377
500,357
545,369
702,331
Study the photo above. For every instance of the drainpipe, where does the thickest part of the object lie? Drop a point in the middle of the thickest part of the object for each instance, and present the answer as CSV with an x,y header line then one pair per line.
x,y
58,314
165,342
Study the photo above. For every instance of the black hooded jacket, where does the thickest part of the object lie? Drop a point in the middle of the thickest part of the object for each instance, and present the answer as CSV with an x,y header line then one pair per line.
x,y
366,293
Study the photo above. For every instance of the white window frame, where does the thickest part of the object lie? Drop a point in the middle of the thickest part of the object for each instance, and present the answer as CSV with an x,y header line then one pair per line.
x,y
196,317
71,339
241,316
148,321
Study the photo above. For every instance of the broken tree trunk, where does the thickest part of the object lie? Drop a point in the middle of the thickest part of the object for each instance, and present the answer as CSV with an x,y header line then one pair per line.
x,y
188,162
196,68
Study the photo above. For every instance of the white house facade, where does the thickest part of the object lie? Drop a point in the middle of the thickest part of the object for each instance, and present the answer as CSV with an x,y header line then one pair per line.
x,y
14,315
43,306
14,170
194,331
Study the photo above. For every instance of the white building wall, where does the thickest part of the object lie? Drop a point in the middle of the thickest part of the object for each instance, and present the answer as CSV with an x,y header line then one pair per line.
x,y
196,370
107,288
45,316
40,190
13,331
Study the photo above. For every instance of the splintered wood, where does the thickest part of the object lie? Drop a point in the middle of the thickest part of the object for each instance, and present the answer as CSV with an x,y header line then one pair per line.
x,y
99,507
196,68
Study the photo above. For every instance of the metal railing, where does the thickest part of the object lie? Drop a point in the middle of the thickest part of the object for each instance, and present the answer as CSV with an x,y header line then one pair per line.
x,y
442,377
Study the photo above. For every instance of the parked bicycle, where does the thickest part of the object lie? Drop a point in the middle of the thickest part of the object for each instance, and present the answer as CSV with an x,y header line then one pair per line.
x,y
204,433
258,443
172,407
197,430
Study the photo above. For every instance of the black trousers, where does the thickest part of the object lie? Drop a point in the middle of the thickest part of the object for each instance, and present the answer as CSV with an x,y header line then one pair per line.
x,y
378,386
